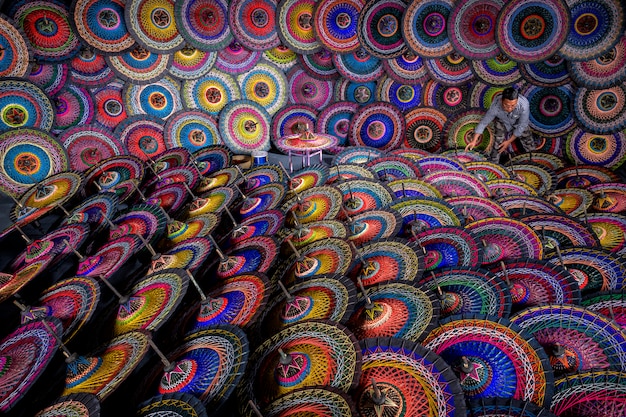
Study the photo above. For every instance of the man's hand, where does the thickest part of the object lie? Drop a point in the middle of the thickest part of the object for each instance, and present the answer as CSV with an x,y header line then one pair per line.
x,y
473,143
505,144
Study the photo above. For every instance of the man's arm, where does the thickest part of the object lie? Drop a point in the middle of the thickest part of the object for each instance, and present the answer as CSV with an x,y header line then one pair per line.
x,y
480,128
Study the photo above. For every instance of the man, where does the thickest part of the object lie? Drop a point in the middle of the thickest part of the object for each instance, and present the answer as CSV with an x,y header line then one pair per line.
x,y
509,113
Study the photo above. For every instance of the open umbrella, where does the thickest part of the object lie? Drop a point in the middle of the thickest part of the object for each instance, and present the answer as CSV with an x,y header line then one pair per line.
x,y
144,220
508,187
330,297
89,69
88,145
49,77
80,405
302,355
319,401
561,230
493,357
428,164
361,195
244,126
190,255
101,25
301,235
379,28
590,393
419,214
610,228
357,155
575,339
424,28
402,377
255,254
345,172
314,204
471,28
373,225
324,257
521,206
395,309
150,302
533,282
424,128
379,125
74,106
208,365
610,304
594,269
22,370
477,208
505,238
266,85
449,247
457,183
102,372
190,63
238,300
389,168
469,291
266,223
174,405
212,158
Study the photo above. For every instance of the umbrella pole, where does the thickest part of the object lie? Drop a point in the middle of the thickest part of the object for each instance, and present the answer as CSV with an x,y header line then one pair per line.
x,y
26,238
69,245
154,254
15,200
122,299
506,274
203,298
439,290
193,196
168,365
62,346
377,395
288,295
368,301
67,213
141,195
223,258
558,253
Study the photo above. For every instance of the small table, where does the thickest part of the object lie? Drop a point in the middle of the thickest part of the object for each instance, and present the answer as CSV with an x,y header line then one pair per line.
x,y
305,146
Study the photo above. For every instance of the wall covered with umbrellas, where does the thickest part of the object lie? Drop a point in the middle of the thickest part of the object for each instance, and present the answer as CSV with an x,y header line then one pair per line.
x,y
145,271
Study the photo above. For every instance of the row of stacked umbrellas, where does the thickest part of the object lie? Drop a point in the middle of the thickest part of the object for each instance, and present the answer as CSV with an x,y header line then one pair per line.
x,y
398,283
244,73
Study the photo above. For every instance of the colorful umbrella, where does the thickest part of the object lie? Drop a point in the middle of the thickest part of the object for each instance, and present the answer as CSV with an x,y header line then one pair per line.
x,y
175,405
451,70
429,164
610,228
102,373
324,257
524,34
26,106
212,158
144,220
552,71
590,393
314,204
407,68
89,69
303,88
304,354
336,24
295,26
419,214
254,24
395,309
319,65
190,63
574,338
17,52
411,187
573,201
606,70
316,298
238,301
380,125
504,188
46,26
390,168
142,135
477,208
472,29
244,126
346,172
533,282
610,304
80,405
505,238
379,28
255,254
204,23
153,26
590,35
608,197
400,377
88,145
449,247
266,223
388,260
493,357
150,302
561,230
424,28
282,57
457,183
109,258
22,370
266,85
321,401
159,99
594,269
520,206
373,225
189,255
109,110
139,66
315,231
469,291
363,195
27,157
213,201
101,24
49,77
424,127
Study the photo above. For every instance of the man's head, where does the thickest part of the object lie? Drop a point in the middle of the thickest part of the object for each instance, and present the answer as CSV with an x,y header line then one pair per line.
x,y
509,99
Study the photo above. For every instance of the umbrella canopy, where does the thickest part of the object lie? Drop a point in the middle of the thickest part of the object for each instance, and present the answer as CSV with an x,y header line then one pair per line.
x,y
493,358
575,338
402,377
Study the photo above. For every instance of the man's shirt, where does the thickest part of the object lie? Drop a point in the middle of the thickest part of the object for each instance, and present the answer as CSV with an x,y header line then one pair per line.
x,y
516,121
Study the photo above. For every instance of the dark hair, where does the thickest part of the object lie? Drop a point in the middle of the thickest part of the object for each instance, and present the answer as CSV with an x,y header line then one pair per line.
x,y
510,93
